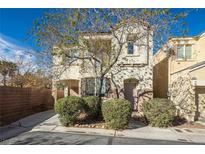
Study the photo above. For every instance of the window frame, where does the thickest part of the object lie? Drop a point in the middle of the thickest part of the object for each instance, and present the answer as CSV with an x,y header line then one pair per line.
x,y
184,52
95,82
128,42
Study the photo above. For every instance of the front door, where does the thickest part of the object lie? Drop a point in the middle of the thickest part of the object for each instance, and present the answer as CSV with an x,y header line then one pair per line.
x,y
129,93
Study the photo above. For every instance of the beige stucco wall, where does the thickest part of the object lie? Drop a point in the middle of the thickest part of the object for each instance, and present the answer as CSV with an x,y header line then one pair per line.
x,y
66,72
200,48
199,73
198,53
190,99
160,79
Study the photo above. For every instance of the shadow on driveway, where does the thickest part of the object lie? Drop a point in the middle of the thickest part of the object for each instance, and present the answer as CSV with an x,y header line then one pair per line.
x,y
51,138
24,125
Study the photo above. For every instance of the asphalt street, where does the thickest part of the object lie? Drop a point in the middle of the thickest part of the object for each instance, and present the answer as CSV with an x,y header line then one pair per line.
x,y
57,138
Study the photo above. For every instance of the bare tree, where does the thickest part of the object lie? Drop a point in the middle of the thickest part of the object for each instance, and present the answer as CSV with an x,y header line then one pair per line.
x,y
88,29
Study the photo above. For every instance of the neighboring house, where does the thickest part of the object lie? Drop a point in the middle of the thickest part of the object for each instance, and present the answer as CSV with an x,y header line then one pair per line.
x,y
179,74
131,75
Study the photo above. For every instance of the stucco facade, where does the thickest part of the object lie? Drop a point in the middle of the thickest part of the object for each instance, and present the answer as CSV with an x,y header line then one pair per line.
x,y
131,75
180,75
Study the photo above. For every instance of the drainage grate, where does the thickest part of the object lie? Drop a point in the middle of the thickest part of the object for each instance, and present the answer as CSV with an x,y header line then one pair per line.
x,y
184,140
47,124
188,130
110,139
78,132
178,130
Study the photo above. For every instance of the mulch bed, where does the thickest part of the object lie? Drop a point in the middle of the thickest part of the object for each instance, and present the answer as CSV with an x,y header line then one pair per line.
x,y
192,125
87,123
99,123
182,123
91,124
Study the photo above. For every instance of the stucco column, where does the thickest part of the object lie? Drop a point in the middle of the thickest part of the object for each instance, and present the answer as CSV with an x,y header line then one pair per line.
x,y
66,91
54,91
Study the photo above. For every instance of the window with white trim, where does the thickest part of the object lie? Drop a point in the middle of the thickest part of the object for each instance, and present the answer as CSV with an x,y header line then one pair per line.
x,y
130,47
92,86
184,52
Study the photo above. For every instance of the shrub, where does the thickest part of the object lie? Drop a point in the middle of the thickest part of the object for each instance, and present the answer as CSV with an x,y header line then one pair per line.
x,y
69,108
90,106
159,112
116,113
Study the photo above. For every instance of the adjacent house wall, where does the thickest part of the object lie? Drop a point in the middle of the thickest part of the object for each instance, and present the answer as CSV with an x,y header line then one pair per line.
x,y
160,79
181,73
198,73
200,103
190,99
175,65
183,95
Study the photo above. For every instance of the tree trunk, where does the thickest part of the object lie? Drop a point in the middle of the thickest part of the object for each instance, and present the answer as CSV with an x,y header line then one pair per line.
x,y
99,101
116,89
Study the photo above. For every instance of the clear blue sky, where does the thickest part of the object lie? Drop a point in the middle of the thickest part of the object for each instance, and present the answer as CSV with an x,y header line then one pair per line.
x,y
15,23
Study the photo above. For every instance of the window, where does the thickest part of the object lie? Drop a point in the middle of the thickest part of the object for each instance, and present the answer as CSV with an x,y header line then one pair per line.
x,y
92,86
180,52
130,47
98,86
184,52
188,52
74,53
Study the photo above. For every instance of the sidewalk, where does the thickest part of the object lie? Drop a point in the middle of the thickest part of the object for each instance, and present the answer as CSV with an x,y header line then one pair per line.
x,y
24,125
48,122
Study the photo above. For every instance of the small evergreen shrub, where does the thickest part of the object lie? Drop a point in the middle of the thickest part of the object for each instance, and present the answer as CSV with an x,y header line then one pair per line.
x,y
116,113
69,109
90,106
159,112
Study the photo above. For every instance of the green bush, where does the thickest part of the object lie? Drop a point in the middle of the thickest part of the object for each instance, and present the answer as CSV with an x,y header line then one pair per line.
x,y
116,113
90,106
69,108
159,112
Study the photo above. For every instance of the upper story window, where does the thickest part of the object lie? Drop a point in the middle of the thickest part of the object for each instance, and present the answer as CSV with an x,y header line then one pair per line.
x,y
130,47
184,52
74,53
131,38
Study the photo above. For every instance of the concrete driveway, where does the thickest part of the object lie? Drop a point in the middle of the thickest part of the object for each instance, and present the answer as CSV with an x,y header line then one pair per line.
x,y
45,128
57,138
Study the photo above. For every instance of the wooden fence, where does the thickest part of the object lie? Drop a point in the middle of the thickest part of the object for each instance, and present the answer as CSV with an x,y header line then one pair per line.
x,y
60,94
16,103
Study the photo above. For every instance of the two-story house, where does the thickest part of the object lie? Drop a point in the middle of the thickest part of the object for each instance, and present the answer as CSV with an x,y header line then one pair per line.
x,y
130,76
179,74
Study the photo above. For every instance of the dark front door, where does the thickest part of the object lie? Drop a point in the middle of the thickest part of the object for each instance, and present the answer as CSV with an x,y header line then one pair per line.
x,y
129,92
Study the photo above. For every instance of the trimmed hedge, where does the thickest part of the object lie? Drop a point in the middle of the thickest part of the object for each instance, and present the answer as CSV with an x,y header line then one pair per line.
x,y
159,112
117,113
90,106
69,108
